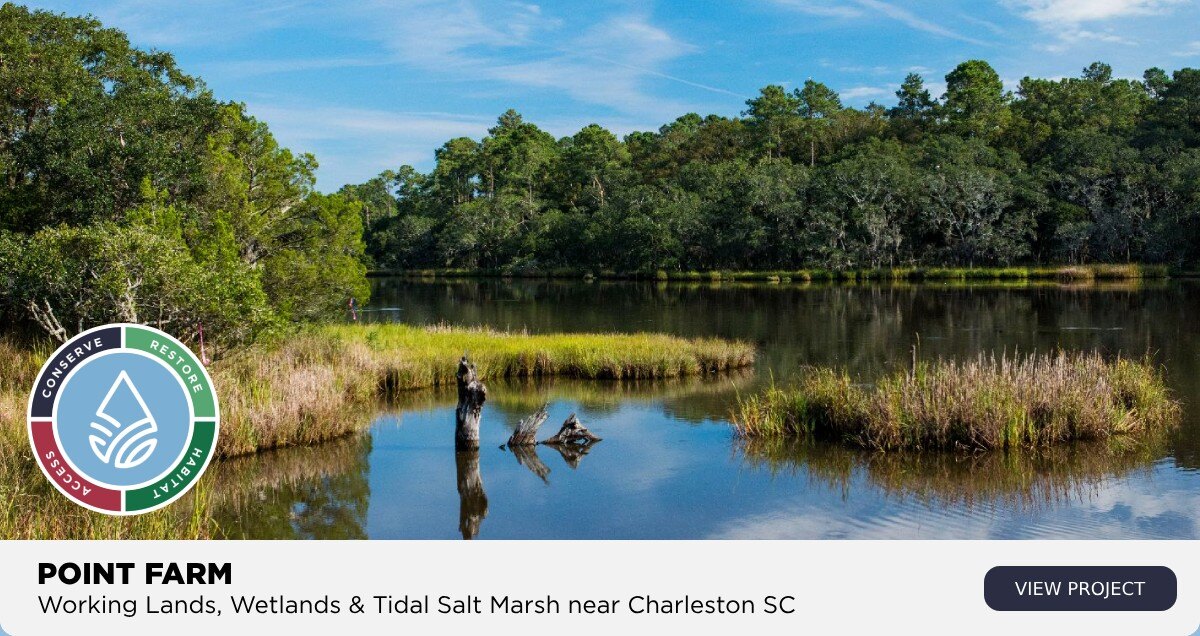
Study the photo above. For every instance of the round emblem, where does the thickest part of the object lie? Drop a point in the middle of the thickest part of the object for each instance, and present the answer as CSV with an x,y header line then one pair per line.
x,y
123,419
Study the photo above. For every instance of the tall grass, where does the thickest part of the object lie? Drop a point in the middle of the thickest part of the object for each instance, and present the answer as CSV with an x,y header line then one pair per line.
x,y
988,402
319,384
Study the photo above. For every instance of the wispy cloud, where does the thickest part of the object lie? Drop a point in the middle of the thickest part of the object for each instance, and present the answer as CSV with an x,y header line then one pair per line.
x,y
1191,50
818,8
904,16
867,8
1064,20
1058,12
856,93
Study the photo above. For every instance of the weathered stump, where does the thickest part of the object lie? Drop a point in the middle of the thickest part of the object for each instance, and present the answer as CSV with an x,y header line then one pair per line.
x,y
526,433
572,432
472,500
471,395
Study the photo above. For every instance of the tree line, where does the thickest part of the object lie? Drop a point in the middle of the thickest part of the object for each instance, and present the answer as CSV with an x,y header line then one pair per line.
x,y
1086,169
129,193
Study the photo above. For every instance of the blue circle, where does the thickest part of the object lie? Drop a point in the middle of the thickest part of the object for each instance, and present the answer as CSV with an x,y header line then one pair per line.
x,y
139,440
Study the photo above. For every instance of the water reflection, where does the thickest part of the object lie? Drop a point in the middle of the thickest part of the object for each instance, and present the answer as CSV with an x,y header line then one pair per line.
x,y
671,467
1026,480
319,492
472,499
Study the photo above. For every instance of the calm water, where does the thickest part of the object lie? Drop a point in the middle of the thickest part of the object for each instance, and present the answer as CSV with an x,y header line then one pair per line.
x,y
669,466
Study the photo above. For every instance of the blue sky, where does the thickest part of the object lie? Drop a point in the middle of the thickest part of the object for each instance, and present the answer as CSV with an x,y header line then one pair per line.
x,y
375,84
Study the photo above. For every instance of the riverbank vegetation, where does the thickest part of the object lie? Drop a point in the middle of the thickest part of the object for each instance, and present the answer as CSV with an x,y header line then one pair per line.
x,y
988,402
1064,273
1087,169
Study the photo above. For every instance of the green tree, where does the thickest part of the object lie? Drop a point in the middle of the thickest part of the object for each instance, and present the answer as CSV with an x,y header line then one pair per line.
x,y
976,104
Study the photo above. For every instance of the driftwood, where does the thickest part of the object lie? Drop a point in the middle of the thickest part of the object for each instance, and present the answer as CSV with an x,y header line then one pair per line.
x,y
526,433
572,432
471,395
472,500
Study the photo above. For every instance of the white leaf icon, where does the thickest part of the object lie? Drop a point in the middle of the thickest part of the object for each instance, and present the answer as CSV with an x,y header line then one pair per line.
x,y
124,444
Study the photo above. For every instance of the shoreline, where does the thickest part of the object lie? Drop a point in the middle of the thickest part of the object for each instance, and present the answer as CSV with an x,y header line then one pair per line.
x,y
1058,273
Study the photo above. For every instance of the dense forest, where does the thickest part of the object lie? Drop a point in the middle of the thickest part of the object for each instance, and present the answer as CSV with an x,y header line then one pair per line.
x,y
129,193
1077,170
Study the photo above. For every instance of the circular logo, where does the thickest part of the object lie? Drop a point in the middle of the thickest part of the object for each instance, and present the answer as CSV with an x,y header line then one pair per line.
x,y
123,419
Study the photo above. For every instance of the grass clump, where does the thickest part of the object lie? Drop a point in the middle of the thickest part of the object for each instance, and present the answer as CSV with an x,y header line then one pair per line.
x,y
990,402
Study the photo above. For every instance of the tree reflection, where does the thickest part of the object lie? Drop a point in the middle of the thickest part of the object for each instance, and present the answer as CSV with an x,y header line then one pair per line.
x,y
472,500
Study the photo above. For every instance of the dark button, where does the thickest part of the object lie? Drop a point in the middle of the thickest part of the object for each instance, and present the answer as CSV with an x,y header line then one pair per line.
x,y
1142,588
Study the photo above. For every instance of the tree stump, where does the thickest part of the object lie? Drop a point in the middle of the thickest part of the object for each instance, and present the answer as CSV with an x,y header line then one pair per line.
x,y
572,432
472,500
471,395
526,433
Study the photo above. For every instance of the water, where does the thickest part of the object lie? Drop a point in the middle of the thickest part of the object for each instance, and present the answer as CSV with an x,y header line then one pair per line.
x,y
669,465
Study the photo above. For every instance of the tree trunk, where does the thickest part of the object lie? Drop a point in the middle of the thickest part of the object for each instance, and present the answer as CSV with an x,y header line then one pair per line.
x,y
527,429
471,395
573,431
472,500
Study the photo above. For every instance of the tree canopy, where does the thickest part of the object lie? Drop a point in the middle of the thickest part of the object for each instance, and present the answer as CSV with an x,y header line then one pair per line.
x,y
1090,168
128,192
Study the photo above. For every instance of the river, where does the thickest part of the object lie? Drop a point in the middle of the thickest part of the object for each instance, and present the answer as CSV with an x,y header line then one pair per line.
x,y
670,467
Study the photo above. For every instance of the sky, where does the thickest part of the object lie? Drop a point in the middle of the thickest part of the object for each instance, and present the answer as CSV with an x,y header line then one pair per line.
x,y
374,84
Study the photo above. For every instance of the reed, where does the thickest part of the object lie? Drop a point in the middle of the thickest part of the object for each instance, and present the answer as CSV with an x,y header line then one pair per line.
x,y
989,402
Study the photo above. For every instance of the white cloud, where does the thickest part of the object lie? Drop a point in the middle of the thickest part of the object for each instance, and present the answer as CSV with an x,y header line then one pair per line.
x,y
865,92
863,8
1064,19
818,8
1058,12
1191,50
914,21
1068,38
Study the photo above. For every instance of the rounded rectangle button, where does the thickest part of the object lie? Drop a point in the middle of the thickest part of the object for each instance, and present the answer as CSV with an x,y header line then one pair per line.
x,y
1101,588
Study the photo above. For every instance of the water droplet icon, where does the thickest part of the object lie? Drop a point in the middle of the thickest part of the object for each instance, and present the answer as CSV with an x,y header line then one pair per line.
x,y
126,428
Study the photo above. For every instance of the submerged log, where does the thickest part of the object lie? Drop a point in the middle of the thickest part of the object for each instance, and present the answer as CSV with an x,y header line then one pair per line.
x,y
572,432
526,433
472,500
471,395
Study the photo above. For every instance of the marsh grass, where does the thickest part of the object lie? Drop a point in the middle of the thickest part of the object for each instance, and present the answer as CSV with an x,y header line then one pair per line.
x,y
989,402
320,384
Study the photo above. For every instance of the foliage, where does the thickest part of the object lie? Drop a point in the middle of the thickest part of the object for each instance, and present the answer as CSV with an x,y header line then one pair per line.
x,y
127,192
1086,169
